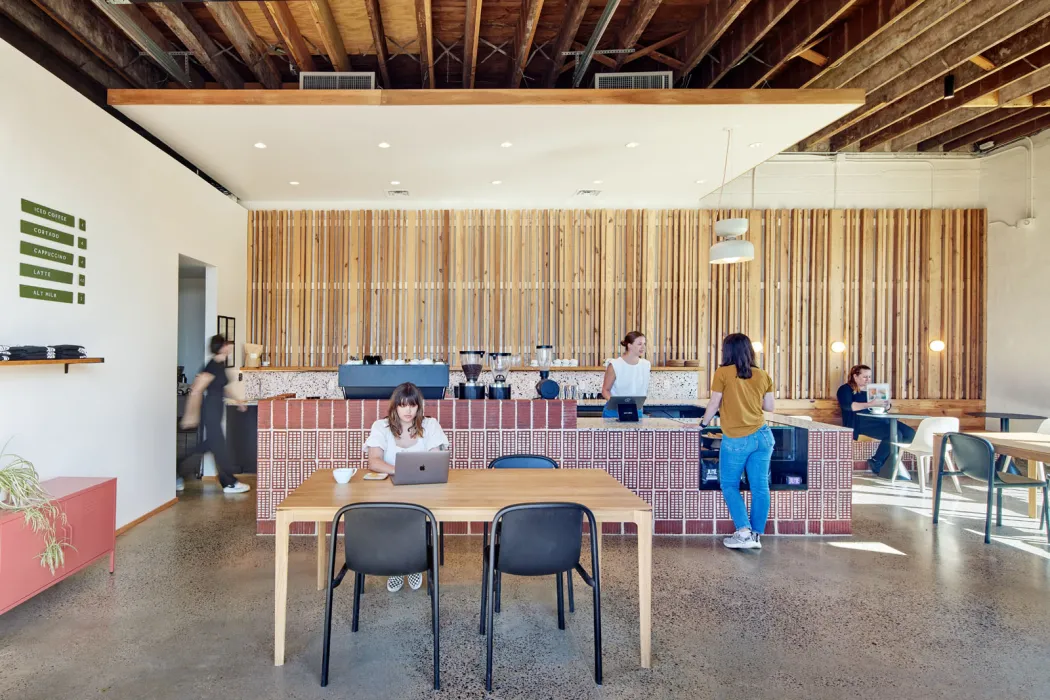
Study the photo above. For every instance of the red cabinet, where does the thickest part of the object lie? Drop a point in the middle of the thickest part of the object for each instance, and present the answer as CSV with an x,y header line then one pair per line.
x,y
90,506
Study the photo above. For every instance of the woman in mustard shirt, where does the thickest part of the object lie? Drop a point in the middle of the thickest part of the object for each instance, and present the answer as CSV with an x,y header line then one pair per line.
x,y
740,392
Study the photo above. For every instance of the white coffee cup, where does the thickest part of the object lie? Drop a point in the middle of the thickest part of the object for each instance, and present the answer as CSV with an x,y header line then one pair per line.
x,y
877,410
343,474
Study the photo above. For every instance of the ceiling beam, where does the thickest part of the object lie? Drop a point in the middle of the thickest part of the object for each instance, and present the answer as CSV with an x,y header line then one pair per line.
x,y
715,20
80,19
813,57
584,62
570,25
322,15
982,62
1041,98
425,34
983,133
471,33
289,32
528,19
634,26
861,41
197,41
754,23
130,20
1015,80
974,125
644,51
235,25
923,53
936,126
801,26
1029,128
606,61
375,21
53,40
1010,38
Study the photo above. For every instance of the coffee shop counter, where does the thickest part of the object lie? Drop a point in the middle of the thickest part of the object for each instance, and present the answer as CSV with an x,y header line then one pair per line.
x,y
659,459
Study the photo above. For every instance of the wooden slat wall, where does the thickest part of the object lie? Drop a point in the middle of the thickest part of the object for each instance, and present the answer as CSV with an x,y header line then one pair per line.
x,y
325,285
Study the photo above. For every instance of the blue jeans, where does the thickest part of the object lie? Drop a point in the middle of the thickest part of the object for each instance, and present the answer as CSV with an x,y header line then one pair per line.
x,y
753,454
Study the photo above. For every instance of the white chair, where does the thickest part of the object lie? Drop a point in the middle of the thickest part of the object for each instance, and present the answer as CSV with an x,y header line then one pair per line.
x,y
921,447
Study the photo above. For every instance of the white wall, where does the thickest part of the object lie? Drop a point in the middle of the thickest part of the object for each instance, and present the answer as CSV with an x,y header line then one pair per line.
x,y
191,343
1018,286
142,209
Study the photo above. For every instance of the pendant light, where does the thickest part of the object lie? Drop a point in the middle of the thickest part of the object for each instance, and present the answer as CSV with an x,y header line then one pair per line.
x,y
732,248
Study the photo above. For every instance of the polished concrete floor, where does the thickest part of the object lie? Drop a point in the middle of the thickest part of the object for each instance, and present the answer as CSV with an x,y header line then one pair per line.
x,y
900,610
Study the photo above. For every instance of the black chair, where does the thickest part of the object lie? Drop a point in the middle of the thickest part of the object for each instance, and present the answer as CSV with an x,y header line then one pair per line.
x,y
540,539
383,539
975,457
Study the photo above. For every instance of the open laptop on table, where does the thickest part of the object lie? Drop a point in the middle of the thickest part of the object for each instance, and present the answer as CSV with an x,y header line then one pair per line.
x,y
421,468
628,408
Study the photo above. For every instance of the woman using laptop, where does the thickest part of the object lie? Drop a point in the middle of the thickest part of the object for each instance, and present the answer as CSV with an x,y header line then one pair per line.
x,y
740,392
405,429
628,374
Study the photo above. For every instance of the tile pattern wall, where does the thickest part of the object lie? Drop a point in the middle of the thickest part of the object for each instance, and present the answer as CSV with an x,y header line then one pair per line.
x,y
299,437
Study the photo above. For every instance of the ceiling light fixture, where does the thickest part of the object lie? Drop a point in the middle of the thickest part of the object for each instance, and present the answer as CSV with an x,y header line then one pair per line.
x,y
632,144
260,145
732,249
700,182
497,182
395,182
384,144
293,182
506,144
598,182
949,86
756,144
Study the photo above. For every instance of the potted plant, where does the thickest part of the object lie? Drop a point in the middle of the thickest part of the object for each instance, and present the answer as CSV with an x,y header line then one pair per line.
x,y
20,492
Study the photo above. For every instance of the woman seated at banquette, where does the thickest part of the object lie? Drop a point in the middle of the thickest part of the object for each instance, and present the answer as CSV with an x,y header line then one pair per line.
x,y
853,399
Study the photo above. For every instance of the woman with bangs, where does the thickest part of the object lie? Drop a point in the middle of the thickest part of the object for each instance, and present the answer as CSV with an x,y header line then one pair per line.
x,y
405,429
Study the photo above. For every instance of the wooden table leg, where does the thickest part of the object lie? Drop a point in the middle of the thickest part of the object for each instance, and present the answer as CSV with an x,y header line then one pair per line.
x,y
280,587
644,520
1033,473
322,575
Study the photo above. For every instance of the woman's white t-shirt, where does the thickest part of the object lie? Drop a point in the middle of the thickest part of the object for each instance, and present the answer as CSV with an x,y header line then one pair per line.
x,y
381,437
631,380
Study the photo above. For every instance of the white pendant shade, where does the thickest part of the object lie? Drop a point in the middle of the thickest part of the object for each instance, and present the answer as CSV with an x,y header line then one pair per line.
x,y
731,227
732,250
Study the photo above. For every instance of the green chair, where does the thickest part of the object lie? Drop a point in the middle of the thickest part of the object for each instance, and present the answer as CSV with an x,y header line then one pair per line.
x,y
975,457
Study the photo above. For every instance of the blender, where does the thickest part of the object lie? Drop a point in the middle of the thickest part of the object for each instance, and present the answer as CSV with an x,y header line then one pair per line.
x,y
499,389
471,362
546,387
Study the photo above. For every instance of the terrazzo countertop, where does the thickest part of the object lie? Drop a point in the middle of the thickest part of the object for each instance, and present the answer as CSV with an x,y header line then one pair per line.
x,y
643,424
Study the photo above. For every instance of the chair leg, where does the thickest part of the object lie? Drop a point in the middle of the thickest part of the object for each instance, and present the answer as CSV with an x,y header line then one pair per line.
x,y
1046,513
988,517
998,507
568,584
561,601
597,611
488,628
441,556
435,619
920,468
498,591
951,465
359,586
484,590
897,466
327,646
937,494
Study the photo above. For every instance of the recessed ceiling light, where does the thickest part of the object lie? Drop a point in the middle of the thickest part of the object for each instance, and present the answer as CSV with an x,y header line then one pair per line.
x,y
632,144
754,145
395,182
506,144
260,145
598,182
700,182
497,182
384,144
293,182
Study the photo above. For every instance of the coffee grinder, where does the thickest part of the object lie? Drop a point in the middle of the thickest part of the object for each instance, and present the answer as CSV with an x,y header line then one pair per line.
x,y
500,362
546,387
471,361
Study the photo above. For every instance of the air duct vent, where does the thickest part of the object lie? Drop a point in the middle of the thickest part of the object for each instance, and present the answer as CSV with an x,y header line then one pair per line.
x,y
657,80
397,194
588,193
337,81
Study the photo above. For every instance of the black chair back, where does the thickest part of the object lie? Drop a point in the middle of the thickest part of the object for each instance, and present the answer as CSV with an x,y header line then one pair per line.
x,y
973,456
523,462
386,539
538,539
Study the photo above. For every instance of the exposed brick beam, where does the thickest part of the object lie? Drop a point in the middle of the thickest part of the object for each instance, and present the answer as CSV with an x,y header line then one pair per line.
x,y
235,25
754,23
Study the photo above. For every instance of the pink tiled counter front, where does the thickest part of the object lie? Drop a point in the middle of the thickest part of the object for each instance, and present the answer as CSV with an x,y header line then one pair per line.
x,y
298,437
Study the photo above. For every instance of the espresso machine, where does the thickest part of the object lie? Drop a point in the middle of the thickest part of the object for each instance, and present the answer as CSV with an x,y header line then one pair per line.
x,y
500,388
546,387
472,362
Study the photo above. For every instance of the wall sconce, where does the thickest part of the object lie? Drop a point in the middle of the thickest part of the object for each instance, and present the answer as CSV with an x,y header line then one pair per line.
x,y
937,345
838,346
756,345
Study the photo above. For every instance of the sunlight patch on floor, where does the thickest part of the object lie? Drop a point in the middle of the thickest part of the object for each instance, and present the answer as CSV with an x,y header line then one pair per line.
x,y
874,547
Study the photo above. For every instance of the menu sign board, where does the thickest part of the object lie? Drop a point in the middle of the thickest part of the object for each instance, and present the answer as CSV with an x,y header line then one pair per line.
x,y
64,247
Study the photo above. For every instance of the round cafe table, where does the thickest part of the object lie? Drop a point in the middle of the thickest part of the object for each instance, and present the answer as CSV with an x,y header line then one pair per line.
x,y
886,471
1002,461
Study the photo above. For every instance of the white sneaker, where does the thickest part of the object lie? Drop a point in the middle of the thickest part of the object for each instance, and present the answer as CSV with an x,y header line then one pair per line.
x,y
237,487
415,581
180,484
395,583
742,539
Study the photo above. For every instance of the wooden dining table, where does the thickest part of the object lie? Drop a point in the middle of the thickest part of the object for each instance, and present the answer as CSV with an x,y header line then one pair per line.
x,y
1033,447
471,495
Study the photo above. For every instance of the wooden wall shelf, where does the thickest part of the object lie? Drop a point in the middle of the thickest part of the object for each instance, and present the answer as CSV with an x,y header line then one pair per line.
x,y
66,362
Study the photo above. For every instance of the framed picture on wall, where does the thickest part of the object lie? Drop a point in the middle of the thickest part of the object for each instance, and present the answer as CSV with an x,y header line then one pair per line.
x,y
227,328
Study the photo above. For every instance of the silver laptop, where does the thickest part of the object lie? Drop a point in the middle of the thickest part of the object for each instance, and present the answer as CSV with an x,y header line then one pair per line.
x,y
421,468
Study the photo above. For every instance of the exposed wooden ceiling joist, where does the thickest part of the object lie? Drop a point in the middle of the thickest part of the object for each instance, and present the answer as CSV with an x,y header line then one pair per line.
x,y
817,59
528,20
1013,119
471,34
715,20
375,22
751,27
937,126
233,22
80,19
805,23
633,27
574,10
982,62
197,41
136,27
861,41
970,127
286,27
1019,132
425,37
33,20
644,51
322,15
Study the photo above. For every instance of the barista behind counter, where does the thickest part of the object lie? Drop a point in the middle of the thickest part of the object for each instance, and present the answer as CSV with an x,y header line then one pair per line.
x,y
628,374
